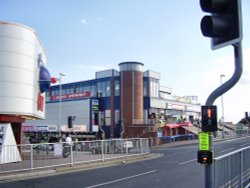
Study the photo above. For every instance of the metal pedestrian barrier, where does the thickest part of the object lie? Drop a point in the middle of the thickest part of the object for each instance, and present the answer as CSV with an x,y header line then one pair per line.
x,y
233,169
37,156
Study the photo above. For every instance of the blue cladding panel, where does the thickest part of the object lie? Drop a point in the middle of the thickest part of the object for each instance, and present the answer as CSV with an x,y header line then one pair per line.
x,y
146,103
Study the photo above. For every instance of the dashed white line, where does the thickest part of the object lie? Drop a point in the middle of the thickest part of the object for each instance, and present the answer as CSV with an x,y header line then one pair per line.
x,y
244,144
187,162
225,150
122,179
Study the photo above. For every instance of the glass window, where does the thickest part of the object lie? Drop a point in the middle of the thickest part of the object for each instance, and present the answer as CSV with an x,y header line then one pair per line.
x,y
117,88
145,88
108,88
117,116
54,92
93,90
63,91
154,88
47,96
103,89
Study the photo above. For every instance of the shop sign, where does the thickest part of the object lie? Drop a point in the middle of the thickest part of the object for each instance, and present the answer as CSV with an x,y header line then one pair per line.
x,y
27,128
71,96
52,128
76,128
79,128
42,128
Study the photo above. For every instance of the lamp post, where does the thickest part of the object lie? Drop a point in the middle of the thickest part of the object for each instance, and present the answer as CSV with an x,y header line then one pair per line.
x,y
60,104
222,108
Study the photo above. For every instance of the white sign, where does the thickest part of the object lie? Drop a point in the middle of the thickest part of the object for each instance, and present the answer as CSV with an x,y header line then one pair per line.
x,y
79,128
8,149
42,128
58,149
52,128
76,128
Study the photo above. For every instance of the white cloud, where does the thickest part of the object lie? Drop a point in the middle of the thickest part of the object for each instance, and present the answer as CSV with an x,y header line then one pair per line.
x,y
84,21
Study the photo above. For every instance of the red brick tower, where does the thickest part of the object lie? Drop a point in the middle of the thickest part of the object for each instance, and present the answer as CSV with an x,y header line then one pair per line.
x,y
131,95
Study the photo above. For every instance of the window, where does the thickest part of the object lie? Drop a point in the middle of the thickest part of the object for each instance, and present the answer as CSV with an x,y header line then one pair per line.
x,y
103,89
154,88
55,92
145,88
117,88
117,116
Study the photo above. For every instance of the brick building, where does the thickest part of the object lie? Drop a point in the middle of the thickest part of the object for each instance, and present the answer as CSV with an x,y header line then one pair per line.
x,y
127,103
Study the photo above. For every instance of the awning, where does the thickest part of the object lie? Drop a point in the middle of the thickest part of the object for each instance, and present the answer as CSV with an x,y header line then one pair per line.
x,y
192,129
185,124
171,126
176,125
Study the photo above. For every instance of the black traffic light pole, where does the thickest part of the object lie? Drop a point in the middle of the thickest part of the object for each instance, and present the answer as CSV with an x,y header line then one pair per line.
x,y
209,177
233,80
224,27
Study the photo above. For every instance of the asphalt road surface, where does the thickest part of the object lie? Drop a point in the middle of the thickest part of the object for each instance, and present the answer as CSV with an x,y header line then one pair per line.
x,y
176,168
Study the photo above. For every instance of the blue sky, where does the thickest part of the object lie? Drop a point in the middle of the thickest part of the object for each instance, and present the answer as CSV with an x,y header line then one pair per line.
x,y
81,37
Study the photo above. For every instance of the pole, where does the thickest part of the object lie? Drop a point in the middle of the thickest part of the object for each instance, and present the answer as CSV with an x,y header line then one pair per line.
x,y
222,109
60,105
209,173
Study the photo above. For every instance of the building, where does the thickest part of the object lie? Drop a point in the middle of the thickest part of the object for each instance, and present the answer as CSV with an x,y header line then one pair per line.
x,y
23,79
125,103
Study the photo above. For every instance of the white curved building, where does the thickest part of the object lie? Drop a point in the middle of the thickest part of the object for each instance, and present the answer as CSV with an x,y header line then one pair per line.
x,y
21,57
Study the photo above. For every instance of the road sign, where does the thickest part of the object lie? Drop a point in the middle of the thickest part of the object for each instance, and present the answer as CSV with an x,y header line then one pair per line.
x,y
204,141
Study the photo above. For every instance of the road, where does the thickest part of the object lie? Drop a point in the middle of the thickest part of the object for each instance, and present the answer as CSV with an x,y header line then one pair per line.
x,y
176,168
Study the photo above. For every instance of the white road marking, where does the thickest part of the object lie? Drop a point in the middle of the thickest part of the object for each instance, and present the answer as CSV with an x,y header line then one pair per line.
x,y
244,144
187,162
225,150
122,179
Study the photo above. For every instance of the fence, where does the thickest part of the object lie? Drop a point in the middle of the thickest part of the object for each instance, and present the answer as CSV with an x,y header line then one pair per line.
x,y
37,156
233,169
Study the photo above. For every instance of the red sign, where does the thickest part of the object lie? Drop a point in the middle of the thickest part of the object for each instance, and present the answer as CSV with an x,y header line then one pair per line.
x,y
27,128
40,102
71,96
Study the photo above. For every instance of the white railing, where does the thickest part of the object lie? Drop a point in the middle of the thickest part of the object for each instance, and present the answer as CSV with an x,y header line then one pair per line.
x,y
36,156
233,169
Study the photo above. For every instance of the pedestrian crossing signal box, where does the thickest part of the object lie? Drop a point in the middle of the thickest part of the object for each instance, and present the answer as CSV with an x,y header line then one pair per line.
x,y
209,119
205,157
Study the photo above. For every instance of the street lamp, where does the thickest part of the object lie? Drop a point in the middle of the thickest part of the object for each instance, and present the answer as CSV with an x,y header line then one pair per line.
x,y
222,108
60,104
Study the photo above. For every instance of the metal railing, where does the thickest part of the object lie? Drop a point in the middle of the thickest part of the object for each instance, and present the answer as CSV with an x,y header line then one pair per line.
x,y
37,156
233,169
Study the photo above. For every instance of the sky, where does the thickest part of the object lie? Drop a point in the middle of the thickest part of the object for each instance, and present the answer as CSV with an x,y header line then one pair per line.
x,y
81,37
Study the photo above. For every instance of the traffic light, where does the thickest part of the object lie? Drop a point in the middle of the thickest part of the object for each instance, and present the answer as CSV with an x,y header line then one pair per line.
x,y
209,118
70,121
205,157
224,25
